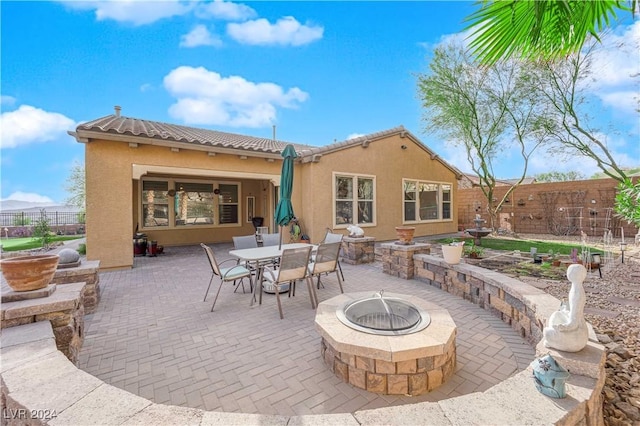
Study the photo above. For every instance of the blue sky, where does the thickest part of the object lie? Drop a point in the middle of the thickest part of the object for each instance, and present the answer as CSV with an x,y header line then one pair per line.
x,y
319,71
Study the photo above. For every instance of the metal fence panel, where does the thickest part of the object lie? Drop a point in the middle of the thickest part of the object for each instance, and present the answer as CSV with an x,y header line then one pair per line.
x,y
56,218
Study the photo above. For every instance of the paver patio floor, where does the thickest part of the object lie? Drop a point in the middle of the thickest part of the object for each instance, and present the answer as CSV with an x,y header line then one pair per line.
x,y
153,335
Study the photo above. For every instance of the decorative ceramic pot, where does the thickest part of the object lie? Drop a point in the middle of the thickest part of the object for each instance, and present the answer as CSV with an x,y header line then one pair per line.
x,y
405,234
28,273
452,254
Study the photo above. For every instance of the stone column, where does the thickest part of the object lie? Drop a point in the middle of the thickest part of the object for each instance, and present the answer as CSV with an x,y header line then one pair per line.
x,y
397,260
356,251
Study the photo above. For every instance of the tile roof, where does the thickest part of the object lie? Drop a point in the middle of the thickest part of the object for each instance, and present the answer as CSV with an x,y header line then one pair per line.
x,y
121,125
171,133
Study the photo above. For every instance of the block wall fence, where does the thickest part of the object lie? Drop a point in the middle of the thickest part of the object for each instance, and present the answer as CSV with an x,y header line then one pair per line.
x,y
559,208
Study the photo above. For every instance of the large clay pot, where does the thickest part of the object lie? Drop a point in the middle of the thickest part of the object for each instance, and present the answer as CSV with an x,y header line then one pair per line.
x,y
405,234
28,273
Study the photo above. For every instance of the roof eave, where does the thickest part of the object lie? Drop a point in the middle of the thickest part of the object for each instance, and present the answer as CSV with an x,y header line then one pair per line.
x,y
86,136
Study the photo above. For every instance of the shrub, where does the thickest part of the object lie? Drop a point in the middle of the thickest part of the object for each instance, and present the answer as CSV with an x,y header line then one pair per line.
x,y
21,220
42,230
82,249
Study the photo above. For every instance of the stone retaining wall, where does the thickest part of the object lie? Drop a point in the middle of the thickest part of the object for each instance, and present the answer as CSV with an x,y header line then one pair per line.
x,y
64,309
356,251
526,309
87,272
397,259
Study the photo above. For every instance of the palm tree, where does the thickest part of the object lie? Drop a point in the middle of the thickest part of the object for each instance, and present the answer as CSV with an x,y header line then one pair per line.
x,y
545,29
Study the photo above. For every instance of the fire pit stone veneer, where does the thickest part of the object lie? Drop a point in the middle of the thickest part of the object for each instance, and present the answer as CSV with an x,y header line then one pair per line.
x,y
410,364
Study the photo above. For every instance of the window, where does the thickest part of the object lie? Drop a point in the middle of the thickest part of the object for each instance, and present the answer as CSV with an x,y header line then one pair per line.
x,y
354,194
155,203
446,201
426,201
228,207
169,203
194,203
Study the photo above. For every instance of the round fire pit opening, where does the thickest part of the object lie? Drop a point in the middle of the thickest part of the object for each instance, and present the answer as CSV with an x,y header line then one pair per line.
x,y
386,316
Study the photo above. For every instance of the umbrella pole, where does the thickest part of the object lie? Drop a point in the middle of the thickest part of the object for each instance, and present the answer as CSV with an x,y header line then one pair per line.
x,y
280,245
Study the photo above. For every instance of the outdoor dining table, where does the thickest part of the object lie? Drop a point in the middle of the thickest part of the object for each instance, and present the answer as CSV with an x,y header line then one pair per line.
x,y
259,256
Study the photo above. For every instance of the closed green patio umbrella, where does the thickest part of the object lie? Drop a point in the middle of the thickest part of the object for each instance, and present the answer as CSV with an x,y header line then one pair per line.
x,y
284,209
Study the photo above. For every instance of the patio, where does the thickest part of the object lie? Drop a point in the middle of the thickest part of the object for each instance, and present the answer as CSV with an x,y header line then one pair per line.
x,y
153,335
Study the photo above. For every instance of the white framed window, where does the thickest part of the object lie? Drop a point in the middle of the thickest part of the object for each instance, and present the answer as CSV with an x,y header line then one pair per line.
x,y
354,200
425,201
175,203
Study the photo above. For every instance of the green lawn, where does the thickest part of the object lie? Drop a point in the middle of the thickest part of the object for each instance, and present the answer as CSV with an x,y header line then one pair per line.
x,y
524,246
28,243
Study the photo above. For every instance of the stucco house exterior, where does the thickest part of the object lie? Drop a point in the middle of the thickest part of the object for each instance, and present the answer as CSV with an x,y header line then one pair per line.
x,y
182,185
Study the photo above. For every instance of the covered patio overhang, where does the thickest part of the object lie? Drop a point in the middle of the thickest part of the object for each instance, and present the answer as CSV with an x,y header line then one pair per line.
x,y
140,170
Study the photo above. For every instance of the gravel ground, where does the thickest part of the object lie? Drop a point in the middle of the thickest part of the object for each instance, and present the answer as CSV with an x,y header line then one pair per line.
x,y
613,308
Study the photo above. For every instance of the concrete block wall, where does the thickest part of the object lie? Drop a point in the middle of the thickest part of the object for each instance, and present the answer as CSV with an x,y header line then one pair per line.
x,y
550,208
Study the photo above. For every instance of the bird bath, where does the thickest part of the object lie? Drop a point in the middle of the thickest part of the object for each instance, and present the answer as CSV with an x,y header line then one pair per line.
x,y
479,231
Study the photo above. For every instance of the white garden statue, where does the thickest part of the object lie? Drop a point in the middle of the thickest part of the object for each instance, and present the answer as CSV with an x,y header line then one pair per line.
x,y
355,231
567,329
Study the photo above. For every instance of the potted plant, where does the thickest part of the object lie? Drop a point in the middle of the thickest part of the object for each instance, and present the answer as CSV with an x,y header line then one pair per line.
x,y
473,251
452,252
405,234
554,258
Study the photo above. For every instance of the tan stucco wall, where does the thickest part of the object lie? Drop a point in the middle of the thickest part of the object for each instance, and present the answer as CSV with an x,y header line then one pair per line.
x,y
113,206
389,163
113,194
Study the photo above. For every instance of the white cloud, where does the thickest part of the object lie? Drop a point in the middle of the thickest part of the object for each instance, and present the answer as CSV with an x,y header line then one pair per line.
x,y
621,100
146,87
7,100
225,10
136,12
205,97
354,135
199,36
286,31
28,196
616,68
28,125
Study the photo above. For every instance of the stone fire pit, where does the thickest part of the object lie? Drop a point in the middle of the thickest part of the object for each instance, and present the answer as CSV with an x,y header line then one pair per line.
x,y
409,364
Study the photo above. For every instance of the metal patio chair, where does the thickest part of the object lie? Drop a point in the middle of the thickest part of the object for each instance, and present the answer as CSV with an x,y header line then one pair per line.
x,y
237,272
270,240
326,262
332,237
293,266
245,242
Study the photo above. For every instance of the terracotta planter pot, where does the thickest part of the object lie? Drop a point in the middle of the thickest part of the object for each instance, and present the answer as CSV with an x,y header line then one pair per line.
x,y
405,234
28,273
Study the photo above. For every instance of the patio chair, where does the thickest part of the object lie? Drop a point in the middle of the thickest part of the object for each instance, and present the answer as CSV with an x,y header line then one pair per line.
x,y
326,262
245,242
332,237
237,272
293,266
270,240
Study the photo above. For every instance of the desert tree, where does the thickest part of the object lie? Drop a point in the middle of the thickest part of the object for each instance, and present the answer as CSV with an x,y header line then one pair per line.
x,y
556,176
485,110
553,33
563,84
75,187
